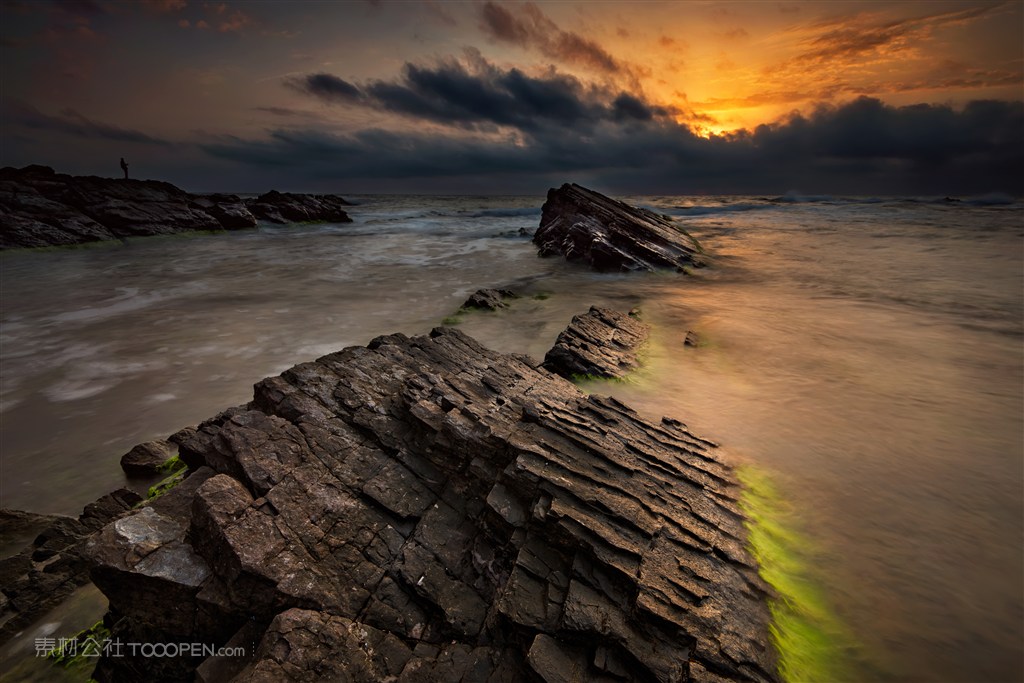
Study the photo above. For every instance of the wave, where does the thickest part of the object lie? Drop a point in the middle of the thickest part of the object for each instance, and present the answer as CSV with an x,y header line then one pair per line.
x,y
794,197
683,211
505,213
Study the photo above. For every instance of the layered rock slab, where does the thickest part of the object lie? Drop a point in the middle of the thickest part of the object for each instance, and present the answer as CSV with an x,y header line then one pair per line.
x,y
599,343
583,225
424,509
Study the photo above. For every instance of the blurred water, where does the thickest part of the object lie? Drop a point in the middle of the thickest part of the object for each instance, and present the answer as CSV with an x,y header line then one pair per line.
x,y
865,351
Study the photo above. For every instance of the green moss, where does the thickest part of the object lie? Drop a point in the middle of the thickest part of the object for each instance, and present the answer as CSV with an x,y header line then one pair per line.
x,y
542,296
577,379
813,644
162,487
172,464
80,652
453,319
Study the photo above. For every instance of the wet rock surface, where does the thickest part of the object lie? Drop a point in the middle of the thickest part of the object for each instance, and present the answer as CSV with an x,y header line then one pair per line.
x,y
599,343
146,459
40,208
583,225
489,299
45,571
286,207
424,509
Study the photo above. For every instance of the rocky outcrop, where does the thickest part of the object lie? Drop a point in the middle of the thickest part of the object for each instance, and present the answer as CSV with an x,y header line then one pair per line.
x,y
48,569
424,509
285,207
599,343
489,299
40,208
583,225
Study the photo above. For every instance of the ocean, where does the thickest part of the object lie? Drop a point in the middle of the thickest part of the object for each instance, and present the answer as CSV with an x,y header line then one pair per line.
x,y
865,353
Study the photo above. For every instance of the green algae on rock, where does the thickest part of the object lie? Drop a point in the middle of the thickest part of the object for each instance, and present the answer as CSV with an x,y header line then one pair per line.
x,y
812,642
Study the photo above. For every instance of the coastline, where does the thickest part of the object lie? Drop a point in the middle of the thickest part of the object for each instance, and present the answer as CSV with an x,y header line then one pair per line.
x,y
720,344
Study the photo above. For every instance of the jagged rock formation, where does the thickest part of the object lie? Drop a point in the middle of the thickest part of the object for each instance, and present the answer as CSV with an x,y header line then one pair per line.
x,y
584,225
40,208
286,207
425,509
49,568
489,299
599,343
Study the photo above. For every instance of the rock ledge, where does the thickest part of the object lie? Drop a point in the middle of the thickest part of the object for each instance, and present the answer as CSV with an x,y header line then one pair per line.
x,y
424,509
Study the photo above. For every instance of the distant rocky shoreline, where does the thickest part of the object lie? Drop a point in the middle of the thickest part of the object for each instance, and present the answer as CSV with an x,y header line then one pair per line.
x,y
42,208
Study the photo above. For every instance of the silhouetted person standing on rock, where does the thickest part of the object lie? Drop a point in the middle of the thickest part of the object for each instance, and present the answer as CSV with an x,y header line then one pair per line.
x,y
124,167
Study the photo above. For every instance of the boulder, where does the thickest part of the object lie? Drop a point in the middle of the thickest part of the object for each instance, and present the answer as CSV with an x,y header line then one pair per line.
x,y
147,459
425,509
599,343
286,207
609,235
489,299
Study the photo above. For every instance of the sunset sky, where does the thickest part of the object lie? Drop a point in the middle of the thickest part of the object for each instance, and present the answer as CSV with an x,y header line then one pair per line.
x,y
920,97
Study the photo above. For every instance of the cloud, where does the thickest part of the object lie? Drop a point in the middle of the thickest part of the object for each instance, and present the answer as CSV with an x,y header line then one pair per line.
x,y
535,29
855,37
479,95
863,146
326,87
70,122
164,6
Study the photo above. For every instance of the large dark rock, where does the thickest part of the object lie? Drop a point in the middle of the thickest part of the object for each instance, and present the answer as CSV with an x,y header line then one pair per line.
x,y
41,208
425,509
147,459
583,225
51,566
285,207
599,343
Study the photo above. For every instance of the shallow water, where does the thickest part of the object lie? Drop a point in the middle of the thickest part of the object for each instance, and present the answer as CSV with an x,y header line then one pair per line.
x,y
864,352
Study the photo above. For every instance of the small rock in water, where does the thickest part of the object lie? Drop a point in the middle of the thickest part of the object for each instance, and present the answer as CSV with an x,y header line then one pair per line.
x,y
599,343
287,207
489,299
691,339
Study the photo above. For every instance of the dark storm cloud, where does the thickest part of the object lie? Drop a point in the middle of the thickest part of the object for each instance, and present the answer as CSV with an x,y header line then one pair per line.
x,y
484,96
71,122
923,134
861,147
326,87
534,29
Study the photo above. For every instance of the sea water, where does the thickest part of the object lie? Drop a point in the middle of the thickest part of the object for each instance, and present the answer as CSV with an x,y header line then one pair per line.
x,y
865,353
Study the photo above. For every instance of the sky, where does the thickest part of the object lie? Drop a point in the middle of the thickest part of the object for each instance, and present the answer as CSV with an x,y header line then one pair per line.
x,y
493,97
